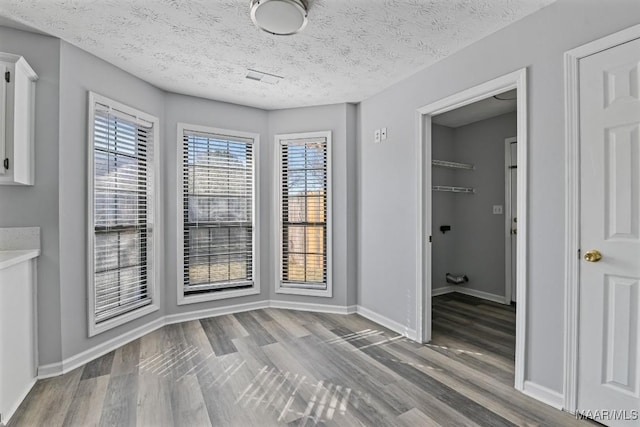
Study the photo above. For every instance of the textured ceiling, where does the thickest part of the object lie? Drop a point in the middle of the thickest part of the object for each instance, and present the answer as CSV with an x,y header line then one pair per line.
x,y
350,50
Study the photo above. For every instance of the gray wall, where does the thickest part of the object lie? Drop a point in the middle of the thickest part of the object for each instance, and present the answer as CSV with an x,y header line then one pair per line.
x,y
38,205
340,120
198,111
479,249
58,201
81,72
388,173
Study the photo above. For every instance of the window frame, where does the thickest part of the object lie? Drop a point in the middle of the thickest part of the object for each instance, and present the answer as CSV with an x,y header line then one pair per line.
x,y
291,289
155,220
183,299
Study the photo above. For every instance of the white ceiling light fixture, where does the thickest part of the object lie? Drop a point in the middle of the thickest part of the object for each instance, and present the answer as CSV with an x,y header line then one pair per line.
x,y
279,17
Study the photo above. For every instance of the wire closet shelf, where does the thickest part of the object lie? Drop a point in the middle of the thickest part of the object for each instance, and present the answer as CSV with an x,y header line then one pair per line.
x,y
450,189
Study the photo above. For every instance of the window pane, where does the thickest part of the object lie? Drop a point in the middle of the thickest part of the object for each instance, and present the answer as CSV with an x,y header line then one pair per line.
x,y
315,268
218,182
303,213
294,268
122,197
106,251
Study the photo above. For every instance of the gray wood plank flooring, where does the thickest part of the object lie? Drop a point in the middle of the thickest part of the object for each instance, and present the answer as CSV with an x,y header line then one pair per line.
x,y
275,367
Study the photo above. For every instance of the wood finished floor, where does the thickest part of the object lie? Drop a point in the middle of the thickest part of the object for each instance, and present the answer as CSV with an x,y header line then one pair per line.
x,y
276,367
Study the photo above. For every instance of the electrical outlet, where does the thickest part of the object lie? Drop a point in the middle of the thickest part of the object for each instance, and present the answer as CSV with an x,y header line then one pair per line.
x,y
383,134
497,209
376,136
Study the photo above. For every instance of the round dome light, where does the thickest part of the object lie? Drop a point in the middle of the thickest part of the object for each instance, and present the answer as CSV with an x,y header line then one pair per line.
x,y
279,17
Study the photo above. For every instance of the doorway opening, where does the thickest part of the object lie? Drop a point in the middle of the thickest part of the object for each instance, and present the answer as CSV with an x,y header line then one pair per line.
x,y
472,217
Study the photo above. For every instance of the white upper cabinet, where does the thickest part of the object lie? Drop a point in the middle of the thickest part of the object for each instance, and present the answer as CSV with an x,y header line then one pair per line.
x,y
17,99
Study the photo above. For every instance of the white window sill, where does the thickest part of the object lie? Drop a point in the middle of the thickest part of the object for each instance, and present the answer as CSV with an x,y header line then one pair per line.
x,y
215,296
325,293
95,329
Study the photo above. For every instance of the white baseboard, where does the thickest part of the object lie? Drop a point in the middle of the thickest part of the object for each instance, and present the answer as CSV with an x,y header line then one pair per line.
x,y
93,353
6,417
544,394
471,292
442,291
388,323
320,308
49,370
99,350
214,312
483,295
73,362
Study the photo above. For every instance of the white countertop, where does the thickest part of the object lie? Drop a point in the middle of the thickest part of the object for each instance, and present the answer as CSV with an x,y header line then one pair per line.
x,y
9,258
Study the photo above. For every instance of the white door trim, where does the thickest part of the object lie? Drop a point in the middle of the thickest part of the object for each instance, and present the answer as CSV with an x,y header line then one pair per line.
x,y
515,80
508,282
572,203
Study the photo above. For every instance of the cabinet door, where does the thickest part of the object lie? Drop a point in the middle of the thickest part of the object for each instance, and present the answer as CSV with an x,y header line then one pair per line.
x,y
17,98
20,149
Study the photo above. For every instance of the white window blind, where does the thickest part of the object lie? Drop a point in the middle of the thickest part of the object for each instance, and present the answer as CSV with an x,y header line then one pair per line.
x,y
218,212
303,213
122,212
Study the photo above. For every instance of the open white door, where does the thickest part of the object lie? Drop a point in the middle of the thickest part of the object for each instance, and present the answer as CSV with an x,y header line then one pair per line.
x,y
511,218
609,338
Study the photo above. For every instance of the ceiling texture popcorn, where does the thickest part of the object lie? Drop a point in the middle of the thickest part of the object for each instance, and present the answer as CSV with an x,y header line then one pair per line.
x,y
349,50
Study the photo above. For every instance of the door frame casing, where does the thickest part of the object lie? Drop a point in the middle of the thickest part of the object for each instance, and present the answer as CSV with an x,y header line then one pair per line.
x,y
572,203
508,217
514,80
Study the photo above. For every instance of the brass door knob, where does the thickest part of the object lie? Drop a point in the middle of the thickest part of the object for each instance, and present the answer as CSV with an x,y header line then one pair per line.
x,y
592,256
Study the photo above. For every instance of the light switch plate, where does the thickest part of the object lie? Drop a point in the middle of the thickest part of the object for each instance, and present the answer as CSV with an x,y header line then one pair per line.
x,y
497,210
376,135
383,134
